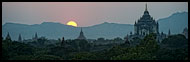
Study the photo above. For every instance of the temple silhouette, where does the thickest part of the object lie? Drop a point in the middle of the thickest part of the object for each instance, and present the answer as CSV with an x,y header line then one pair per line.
x,y
81,36
146,25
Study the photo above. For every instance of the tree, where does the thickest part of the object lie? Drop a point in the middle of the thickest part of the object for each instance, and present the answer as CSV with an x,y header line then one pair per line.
x,y
135,41
41,41
115,51
83,56
173,48
84,45
100,39
144,51
22,57
47,57
149,43
11,49
117,39
36,57
172,54
176,41
134,53
61,51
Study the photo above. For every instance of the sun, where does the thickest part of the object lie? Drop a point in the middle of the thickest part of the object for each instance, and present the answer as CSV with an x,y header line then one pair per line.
x,y
72,23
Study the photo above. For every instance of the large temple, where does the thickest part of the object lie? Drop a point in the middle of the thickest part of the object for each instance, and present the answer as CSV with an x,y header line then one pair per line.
x,y
146,25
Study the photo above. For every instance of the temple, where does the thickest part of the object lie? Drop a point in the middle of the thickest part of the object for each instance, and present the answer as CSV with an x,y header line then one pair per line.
x,y
81,36
146,25
19,38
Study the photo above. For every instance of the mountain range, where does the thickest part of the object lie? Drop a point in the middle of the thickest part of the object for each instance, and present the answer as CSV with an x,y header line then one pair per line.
x,y
176,23
52,30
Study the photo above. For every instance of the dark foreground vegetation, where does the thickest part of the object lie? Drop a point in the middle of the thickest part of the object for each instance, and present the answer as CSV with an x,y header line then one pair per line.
x,y
175,47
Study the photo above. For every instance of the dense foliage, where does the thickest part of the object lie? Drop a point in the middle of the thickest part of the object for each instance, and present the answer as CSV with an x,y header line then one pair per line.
x,y
172,48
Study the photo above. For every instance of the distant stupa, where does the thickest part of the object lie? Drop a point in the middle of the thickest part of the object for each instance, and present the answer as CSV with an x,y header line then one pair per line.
x,y
81,36
36,37
8,37
19,38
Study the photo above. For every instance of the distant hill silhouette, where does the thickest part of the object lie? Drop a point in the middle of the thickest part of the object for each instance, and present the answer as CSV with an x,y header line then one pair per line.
x,y
53,30
176,22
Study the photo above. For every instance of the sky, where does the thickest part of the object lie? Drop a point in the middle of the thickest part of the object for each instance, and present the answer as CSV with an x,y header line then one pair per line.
x,y
86,13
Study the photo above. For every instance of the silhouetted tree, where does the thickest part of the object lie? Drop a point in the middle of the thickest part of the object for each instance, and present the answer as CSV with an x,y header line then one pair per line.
x,y
145,51
175,41
84,56
117,39
41,41
63,42
100,39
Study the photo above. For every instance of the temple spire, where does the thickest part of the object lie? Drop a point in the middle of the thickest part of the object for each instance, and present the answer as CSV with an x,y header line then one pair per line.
x,y
8,37
19,38
135,22
169,33
81,29
146,7
36,36
146,10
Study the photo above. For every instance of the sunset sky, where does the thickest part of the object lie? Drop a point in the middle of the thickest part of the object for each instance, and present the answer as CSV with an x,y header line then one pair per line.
x,y
86,13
